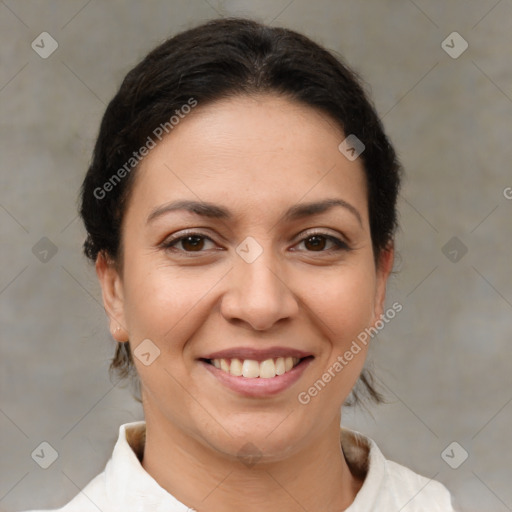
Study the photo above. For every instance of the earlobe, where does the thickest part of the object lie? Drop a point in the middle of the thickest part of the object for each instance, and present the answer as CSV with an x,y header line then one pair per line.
x,y
119,333
112,294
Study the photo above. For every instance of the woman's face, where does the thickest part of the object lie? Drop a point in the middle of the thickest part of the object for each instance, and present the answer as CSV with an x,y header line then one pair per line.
x,y
263,275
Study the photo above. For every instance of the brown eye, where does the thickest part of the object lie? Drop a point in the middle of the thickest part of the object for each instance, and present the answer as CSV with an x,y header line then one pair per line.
x,y
318,242
315,243
193,242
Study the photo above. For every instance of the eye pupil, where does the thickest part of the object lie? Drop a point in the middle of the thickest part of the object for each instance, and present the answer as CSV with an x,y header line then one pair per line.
x,y
193,241
318,242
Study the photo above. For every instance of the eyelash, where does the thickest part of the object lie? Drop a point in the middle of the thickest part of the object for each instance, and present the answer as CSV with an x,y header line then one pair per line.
x,y
340,245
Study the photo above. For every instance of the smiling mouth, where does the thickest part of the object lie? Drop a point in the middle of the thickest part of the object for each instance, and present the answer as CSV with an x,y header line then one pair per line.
x,y
251,369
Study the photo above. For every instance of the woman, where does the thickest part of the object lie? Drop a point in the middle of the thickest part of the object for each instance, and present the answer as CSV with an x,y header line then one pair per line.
x,y
241,210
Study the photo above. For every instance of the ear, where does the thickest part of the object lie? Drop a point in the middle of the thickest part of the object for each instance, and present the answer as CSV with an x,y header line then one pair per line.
x,y
113,296
384,267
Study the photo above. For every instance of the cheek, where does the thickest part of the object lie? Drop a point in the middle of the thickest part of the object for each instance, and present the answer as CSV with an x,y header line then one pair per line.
x,y
345,303
161,305
343,306
166,303
156,299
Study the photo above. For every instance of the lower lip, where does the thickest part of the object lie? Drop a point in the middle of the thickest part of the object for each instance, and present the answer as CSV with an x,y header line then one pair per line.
x,y
258,387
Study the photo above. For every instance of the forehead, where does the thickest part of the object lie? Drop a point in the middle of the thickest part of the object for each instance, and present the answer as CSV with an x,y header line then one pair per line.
x,y
257,151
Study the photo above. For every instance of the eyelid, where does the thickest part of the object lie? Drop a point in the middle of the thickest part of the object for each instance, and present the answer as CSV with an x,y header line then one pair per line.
x,y
176,238
340,242
338,239
324,232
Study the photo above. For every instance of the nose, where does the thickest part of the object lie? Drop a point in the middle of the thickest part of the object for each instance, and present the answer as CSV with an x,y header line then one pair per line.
x,y
257,294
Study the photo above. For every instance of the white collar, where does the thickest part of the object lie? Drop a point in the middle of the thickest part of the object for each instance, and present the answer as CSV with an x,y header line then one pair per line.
x,y
129,486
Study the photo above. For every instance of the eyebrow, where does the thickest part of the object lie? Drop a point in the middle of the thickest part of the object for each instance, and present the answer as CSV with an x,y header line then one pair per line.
x,y
296,212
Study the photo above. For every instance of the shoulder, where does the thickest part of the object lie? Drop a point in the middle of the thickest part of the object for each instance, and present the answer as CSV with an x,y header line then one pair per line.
x,y
90,499
415,491
108,491
388,485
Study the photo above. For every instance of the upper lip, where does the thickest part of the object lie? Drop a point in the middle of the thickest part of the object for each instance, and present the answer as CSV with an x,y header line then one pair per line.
x,y
257,354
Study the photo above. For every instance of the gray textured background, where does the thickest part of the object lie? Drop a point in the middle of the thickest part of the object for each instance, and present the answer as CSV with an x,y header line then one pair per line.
x,y
445,359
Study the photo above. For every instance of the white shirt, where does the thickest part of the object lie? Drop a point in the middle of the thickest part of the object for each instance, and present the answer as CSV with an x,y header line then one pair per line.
x,y
125,486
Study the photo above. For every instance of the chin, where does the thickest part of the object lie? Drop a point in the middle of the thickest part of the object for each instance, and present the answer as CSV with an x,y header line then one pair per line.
x,y
259,443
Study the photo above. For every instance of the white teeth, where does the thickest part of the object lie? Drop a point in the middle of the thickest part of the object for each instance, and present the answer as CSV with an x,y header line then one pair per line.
x,y
252,369
224,365
267,369
280,366
236,367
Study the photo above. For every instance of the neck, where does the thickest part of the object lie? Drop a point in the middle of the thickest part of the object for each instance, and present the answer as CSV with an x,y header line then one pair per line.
x,y
314,479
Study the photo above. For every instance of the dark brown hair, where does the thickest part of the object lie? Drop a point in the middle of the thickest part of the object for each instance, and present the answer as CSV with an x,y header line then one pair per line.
x,y
217,60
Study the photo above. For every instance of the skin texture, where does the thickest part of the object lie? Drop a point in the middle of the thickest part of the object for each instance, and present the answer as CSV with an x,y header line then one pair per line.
x,y
256,156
